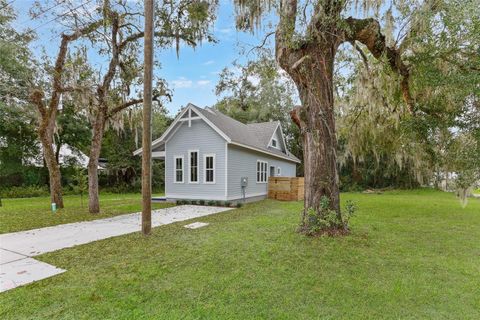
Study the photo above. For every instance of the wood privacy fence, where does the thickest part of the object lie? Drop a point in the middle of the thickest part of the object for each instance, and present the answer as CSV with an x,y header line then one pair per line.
x,y
286,189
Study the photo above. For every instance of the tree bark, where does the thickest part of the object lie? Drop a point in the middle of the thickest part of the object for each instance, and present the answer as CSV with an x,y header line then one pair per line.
x,y
96,146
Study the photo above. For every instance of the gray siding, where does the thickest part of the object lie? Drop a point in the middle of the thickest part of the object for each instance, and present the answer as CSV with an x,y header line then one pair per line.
x,y
242,162
200,136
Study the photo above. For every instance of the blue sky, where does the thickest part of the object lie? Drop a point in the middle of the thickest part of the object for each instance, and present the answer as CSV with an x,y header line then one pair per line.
x,y
193,75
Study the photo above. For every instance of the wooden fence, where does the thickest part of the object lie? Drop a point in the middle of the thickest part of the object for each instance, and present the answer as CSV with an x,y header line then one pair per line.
x,y
286,189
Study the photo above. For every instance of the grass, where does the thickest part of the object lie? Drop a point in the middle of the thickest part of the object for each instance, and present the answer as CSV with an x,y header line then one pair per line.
x,y
411,255
29,213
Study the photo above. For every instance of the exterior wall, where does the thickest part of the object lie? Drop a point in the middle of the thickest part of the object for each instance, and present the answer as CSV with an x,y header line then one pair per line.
x,y
242,162
200,136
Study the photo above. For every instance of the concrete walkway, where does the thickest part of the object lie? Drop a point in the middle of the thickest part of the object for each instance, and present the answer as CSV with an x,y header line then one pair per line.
x,y
16,249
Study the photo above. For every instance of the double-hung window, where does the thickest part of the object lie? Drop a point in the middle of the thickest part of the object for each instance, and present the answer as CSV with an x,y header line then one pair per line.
x,y
209,168
262,171
178,169
193,165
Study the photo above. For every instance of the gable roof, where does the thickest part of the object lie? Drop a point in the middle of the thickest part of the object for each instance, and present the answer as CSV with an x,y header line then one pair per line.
x,y
254,136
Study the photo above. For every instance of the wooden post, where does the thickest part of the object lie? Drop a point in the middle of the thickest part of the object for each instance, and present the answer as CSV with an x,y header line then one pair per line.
x,y
147,121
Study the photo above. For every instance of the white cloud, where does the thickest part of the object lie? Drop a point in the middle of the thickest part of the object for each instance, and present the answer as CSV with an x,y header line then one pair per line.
x,y
225,30
209,62
202,83
182,82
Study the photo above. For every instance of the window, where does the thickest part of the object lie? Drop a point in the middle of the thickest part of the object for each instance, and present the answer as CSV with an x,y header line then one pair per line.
x,y
193,165
209,168
262,171
178,173
279,171
274,143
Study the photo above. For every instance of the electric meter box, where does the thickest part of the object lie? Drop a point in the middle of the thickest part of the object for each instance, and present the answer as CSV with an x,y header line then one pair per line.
x,y
244,182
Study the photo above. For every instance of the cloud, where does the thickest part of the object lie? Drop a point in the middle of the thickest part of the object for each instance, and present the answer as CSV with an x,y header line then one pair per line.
x,y
202,83
225,30
209,62
182,82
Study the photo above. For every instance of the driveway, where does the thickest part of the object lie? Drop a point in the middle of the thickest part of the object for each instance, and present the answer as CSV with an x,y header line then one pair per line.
x,y
17,267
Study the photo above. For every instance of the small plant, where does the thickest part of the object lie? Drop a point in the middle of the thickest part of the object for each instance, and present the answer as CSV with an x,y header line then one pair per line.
x,y
201,202
239,205
227,204
81,183
211,203
186,201
179,202
218,203
194,202
326,220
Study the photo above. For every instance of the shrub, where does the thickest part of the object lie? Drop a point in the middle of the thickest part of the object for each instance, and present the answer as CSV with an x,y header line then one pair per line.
x,y
194,202
218,203
186,202
327,220
201,202
24,192
179,202
211,203
239,204
227,204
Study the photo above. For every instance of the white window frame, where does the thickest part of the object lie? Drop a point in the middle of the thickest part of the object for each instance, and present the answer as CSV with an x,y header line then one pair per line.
x,y
279,171
175,169
213,155
190,168
263,171
276,143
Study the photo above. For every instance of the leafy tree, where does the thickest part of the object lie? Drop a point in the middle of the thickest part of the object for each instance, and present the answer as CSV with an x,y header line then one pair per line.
x,y
17,121
114,30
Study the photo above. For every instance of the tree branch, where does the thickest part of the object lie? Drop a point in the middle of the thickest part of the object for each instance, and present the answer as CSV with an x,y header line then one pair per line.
x,y
367,32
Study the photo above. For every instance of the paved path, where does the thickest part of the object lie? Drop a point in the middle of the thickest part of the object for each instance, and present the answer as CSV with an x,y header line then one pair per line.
x,y
16,249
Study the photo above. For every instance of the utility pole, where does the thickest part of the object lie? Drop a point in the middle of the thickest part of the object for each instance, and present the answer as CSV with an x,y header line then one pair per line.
x,y
147,121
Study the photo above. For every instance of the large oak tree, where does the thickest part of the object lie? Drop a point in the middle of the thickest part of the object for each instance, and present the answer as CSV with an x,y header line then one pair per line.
x,y
307,38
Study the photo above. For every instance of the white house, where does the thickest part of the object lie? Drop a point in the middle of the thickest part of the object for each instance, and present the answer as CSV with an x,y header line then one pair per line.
x,y
211,156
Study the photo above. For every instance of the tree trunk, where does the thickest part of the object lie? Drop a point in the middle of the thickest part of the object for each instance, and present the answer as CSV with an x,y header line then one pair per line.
x,y
97,135
312,71
55,177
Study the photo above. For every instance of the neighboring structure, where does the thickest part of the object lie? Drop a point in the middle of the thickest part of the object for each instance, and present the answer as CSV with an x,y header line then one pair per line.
x,y
211,156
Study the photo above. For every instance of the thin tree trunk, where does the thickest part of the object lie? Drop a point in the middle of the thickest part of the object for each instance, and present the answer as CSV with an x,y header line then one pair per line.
x,y
55,177
98,128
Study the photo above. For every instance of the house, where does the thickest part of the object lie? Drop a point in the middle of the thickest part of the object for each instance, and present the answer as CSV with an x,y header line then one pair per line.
x,y
210,156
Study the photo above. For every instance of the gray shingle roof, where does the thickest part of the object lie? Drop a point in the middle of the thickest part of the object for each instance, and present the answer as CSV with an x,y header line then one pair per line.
x,y
256,135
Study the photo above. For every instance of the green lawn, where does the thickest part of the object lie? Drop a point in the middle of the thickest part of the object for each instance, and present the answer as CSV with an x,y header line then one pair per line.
x,y
411,255
29,213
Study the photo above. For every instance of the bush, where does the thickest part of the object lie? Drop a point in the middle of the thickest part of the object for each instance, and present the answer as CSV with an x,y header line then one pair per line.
x,y
201,202
24,192
227,204
186,202
194,202
239,205
327,220
179,202
218,203
211,203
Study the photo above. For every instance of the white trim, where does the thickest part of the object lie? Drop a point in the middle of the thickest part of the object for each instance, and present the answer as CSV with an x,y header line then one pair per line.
x,y
279,172
158,154
213,155
175,168
283,137
262,162
265,152
198,166
165,171
192,118
173,133
276,143
274,171
207,198
226,169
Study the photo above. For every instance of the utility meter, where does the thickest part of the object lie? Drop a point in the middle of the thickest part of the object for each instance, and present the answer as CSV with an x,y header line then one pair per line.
x,y
244,182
